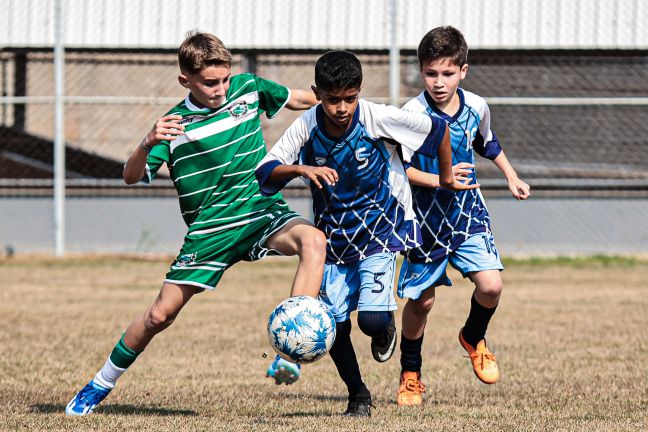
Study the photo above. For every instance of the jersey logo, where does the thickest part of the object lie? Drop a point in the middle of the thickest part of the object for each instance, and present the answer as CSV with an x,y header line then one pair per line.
x,y
192,119
362,158
238,110
320,161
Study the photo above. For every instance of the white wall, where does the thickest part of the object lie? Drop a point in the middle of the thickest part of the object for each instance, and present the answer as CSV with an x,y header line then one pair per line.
x,y
540,226
352,24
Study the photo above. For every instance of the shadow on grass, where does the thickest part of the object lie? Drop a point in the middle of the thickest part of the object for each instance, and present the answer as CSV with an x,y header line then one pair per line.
x,y
117,409
303,414
316,413
335,398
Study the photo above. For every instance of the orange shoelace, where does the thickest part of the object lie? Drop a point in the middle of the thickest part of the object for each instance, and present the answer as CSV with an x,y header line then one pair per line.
x,y
414,386
485,358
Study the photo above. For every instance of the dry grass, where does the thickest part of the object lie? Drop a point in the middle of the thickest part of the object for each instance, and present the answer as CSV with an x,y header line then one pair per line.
x,y
571,340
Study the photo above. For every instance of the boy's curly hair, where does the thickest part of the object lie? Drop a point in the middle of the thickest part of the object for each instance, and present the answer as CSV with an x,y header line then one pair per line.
x,y
337,70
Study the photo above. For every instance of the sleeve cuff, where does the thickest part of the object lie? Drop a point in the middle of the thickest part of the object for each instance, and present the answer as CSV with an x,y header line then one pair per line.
x,y
431,144
267,186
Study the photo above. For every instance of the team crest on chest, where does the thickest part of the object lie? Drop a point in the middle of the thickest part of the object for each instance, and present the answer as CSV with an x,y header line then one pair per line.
x,y
320,161
238,110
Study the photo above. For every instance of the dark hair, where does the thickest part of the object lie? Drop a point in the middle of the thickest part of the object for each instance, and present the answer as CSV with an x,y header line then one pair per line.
x,y
200,50
443,42
338,70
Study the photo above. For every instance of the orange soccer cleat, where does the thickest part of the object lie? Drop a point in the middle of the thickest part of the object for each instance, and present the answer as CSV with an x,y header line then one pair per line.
x,y
411,389
483,361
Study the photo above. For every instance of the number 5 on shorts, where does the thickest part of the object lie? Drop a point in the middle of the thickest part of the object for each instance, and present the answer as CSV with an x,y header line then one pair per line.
x,y
378,282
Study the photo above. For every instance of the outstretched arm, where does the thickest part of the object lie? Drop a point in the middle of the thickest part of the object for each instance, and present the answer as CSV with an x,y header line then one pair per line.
x,y
518,188
283,173
281,164
167,128
446,177
460,171
301,99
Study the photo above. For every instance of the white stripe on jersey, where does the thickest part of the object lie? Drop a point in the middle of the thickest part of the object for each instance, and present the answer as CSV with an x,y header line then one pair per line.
x,y
229,217
224,227
250,152
238,173
217,126
219,147
198,191
243,186
193,106
202,171
234,101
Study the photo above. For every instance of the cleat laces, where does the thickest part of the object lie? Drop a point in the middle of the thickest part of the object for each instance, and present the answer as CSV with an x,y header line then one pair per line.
x,y
414,386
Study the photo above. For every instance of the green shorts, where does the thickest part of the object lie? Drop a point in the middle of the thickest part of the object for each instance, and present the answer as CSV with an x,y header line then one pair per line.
x,y
204,257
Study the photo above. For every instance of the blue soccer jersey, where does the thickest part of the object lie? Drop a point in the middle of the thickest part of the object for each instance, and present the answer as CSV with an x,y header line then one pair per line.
x,y
448,218
369,209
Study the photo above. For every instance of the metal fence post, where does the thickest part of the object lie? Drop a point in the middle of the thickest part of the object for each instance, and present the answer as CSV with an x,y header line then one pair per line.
x,y
59,132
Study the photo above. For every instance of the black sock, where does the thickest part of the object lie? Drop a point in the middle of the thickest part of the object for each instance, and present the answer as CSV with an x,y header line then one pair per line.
x,y
411,359
346,362
477,322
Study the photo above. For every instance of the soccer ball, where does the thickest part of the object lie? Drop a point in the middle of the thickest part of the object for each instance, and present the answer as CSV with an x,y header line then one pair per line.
x,y
301,329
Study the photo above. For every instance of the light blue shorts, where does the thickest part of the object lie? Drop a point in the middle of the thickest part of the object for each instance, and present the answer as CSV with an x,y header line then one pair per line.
x,y
477,253
365,285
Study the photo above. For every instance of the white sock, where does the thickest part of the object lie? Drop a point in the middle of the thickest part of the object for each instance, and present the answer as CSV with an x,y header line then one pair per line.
x,y
108,375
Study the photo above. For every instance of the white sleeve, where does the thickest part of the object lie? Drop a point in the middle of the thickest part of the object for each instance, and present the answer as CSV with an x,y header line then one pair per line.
x,y
484,124
286,149
415,131
411,106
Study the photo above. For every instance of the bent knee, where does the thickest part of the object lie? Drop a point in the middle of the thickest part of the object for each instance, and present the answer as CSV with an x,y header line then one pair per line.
x,y
491,289
421,307
158,319
374,323
313,243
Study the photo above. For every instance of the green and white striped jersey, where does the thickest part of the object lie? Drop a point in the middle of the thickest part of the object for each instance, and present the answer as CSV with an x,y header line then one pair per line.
x,y
212,165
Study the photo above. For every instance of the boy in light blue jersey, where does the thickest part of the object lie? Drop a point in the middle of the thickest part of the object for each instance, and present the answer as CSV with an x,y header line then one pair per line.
x,y
346,148
455,226
212,142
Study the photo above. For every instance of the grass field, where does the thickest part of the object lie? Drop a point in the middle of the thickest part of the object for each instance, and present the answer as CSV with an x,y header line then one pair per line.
x,y
570,337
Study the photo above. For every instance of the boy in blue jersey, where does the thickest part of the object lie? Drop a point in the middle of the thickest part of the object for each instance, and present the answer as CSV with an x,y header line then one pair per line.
x,y
211,142
455,226
346,149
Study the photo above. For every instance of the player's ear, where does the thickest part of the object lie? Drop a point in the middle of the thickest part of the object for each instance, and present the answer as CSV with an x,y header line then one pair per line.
x,y
182,79
317,92
464,70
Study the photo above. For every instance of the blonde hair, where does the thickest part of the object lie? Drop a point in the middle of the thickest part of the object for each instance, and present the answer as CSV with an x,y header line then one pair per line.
x,y
200,50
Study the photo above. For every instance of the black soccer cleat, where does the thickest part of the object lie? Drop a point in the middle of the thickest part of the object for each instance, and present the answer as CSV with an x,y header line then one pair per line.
x,y
359,407
384,345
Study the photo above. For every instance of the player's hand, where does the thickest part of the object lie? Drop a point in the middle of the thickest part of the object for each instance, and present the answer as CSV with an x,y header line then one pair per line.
x,y
462,171
519,189
463,185
167,128
320,174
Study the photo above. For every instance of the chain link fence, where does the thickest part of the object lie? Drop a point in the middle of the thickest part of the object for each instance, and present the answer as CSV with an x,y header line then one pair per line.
x,y
572,122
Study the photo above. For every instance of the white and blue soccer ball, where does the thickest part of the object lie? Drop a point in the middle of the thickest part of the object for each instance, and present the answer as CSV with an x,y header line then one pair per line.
x,y
301,329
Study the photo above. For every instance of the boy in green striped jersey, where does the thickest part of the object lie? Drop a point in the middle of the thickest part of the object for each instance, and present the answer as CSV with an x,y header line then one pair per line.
x,y
212,143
